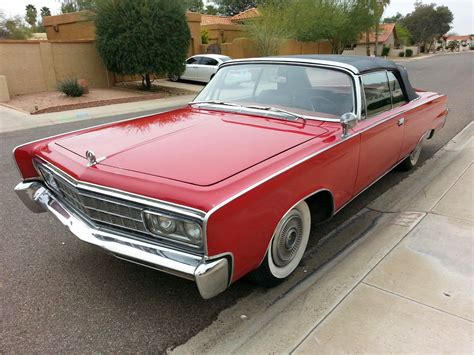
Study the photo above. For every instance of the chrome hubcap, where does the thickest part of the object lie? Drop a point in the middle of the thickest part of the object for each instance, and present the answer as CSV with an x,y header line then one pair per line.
x,y
287,242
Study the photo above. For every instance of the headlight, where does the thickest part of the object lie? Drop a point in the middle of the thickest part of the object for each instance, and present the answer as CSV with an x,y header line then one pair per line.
x,y
171,227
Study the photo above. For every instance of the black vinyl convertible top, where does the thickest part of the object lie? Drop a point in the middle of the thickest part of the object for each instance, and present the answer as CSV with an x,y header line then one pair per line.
x,y
363,64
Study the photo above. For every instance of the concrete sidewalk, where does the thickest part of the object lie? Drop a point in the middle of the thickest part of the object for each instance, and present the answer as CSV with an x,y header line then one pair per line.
x,y
405,286
13,120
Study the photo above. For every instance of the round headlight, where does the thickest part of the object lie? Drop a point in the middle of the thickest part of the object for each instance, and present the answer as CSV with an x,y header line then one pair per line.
x,y
160,224
167,225
193,231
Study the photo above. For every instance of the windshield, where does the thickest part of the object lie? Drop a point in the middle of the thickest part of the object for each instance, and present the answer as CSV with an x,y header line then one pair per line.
x,y
303,90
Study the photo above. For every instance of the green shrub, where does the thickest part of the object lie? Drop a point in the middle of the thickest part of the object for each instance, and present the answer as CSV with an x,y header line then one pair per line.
x,y
401,54
408,52
385,51
70,87
204,36
472,47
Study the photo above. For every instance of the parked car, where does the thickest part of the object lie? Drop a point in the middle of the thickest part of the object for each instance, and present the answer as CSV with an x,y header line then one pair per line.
x,y
233,183
201,67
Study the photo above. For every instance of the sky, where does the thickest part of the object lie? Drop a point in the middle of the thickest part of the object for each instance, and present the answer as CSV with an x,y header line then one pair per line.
x,y
463,10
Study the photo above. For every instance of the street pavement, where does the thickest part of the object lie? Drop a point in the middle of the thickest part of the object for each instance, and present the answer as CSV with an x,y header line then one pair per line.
x,y
58,294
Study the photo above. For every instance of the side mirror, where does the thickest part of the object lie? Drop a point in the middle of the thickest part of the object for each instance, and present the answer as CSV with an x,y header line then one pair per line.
x,y
348,121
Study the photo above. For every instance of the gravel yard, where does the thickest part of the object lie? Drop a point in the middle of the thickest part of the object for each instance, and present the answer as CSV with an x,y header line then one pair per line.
x,y
55,101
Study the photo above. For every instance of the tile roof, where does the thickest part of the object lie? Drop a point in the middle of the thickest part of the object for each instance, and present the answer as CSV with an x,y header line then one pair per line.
x,y
458,38
244,15
385,30
216,20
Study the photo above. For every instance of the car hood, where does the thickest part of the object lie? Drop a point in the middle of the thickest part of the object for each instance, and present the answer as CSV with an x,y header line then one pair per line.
x,y
190,145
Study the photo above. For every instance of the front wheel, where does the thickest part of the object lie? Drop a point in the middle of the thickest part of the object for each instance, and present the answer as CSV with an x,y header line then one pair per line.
x,y
286,248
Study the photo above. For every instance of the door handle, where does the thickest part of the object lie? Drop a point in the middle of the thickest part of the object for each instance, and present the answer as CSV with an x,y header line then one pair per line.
x,y
401,121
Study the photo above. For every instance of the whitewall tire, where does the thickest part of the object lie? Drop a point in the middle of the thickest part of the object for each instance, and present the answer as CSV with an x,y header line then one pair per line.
x,y
286,248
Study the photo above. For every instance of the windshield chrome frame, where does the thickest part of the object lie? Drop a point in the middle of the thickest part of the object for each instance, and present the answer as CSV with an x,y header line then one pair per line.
x,y
348,69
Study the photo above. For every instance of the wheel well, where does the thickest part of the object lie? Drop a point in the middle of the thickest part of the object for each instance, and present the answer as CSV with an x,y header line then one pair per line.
x,y
431,133
321,206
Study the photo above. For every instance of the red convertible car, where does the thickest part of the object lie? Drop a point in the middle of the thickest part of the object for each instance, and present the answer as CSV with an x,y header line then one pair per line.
x,y
232,183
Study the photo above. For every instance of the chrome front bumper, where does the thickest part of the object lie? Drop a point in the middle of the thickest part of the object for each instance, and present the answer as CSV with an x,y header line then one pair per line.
x,y
211,276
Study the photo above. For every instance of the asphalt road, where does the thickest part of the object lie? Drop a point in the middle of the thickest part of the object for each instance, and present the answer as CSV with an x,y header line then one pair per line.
x,y
58,294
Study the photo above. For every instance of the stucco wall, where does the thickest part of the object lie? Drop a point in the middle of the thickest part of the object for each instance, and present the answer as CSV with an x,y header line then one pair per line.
x,y
245,48
20,62
79,25
35,66
219,34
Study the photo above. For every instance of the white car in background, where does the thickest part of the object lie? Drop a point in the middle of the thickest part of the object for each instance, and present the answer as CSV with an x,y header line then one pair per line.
x,y
201,67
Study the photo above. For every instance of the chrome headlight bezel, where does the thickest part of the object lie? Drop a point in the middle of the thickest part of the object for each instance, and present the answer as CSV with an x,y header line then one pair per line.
x,y
180,233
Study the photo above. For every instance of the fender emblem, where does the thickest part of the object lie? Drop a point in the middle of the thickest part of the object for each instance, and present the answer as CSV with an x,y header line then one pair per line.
x,y
91,158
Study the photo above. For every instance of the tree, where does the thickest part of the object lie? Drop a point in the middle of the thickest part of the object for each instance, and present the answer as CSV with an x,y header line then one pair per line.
x,y
394,19
403,35
338,21
76,5
453,45
378,8
234,7
30,17
211,10
427,23
145,37
194,5
267,31
45,11
13,27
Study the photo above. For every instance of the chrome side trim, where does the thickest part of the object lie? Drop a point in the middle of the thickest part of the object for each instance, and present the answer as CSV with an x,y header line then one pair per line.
x,y
170,206
211,277
298,162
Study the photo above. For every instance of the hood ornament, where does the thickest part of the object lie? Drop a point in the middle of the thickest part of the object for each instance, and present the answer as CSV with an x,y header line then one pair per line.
x,y
91,158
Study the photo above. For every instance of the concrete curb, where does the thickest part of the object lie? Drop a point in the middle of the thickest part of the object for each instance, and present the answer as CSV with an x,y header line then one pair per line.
x,y
280,319
14,120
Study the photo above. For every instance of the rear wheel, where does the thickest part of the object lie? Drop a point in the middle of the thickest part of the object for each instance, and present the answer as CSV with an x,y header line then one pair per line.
x,y
411,160
286,248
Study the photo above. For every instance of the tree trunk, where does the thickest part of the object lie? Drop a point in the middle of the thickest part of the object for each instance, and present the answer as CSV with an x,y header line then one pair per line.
x,y
147,81
377,39
367,42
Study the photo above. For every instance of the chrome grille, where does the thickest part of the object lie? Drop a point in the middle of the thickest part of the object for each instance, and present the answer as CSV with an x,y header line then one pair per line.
x,y
103,209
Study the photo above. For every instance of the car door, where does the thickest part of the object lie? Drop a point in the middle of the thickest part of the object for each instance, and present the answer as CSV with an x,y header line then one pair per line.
x,y
190,72
207,68
381,130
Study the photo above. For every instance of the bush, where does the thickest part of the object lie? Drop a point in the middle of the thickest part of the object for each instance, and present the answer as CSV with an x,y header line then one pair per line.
x,y
142,37
204,36
385,51
401,54
472,47
71,87
439,48
408,52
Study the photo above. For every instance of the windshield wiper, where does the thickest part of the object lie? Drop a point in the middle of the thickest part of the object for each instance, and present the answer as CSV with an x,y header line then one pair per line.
x,y
275,109
215,102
